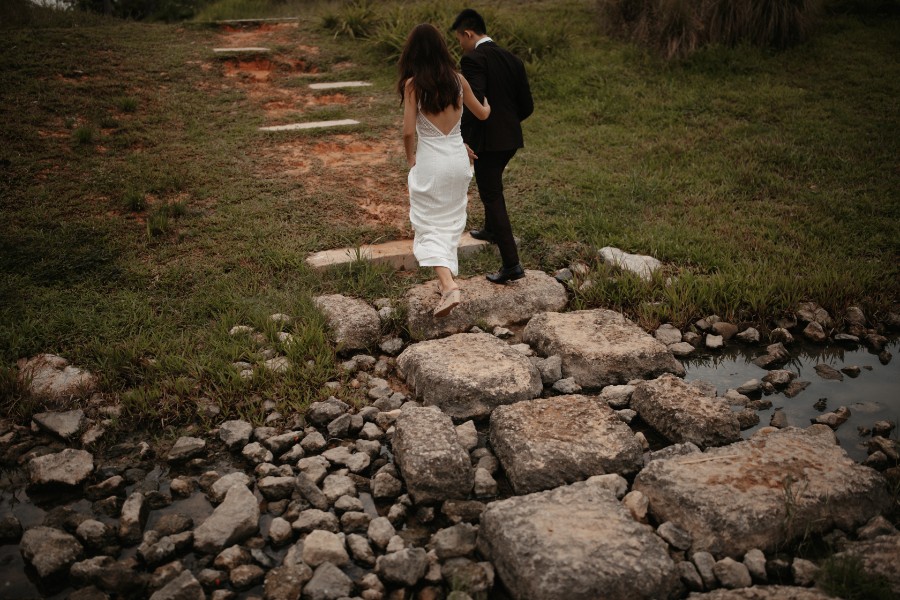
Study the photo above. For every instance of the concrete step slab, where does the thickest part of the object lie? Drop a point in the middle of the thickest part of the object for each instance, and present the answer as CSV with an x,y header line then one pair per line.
x,y
258,21
331,85
247,50
310,125
398,254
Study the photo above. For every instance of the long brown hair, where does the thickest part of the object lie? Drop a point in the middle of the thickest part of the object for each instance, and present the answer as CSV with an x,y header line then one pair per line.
x,y
427,61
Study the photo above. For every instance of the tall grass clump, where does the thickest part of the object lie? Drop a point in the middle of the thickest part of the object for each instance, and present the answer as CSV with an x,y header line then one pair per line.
x,y
678,28
387,26
846,577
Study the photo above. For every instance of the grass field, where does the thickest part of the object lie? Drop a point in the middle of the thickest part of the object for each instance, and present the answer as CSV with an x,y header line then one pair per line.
x,y
144,215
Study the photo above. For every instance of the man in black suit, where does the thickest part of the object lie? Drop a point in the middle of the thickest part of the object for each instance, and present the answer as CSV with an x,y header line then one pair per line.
x,y
499,75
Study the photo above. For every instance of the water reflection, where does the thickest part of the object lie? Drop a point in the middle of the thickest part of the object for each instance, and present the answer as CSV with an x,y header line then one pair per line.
x,y
871,396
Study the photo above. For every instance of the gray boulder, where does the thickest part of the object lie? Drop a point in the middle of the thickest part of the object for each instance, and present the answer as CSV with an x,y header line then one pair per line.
x,y
405,567
328,583
236,519
64,424
186,448
469,374
50,551
51,376
681,413
763,492
183,587
599,347
548,442
641,265
576,542
431,459
353,324
286,582
235,434
67,468
484,303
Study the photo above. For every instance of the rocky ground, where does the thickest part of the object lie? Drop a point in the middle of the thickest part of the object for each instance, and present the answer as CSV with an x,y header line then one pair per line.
x,y
510,463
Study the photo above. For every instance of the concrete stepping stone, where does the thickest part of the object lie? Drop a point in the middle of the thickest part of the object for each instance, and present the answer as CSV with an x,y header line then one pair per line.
x,y
468,375
255,21
332,85
600,347
483,303
575,542
431,459
763,492
352,323
549,442
249,50
641,265
397,254
310,125
683,413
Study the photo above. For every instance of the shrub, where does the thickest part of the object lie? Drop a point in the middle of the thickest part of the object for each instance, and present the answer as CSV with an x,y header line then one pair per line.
x,y
677,28
84,135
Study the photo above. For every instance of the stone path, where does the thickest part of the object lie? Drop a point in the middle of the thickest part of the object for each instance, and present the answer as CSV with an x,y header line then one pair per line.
x,y
517,430
397,254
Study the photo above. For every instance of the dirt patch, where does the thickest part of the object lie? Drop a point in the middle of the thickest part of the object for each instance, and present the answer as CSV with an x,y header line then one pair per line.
x,y
327,100
365,171
261,69
259,35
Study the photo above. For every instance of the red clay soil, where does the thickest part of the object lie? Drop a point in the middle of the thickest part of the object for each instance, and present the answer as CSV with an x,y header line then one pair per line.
x,y
366,171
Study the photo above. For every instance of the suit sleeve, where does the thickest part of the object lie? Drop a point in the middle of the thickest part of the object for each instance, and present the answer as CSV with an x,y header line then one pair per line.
x,y
525,103
475,73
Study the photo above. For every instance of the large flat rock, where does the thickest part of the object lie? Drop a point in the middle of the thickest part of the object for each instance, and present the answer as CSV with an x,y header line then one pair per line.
x,y
483,303
763,492
467,375
575,542
69,467
600,347
352,323
430,457
764,592
681,413
548,442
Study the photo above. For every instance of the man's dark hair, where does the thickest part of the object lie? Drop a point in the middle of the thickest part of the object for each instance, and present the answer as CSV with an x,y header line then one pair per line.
x,y
469,19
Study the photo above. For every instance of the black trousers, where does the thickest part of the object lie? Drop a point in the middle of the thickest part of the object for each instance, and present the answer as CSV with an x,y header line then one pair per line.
x,y
489,169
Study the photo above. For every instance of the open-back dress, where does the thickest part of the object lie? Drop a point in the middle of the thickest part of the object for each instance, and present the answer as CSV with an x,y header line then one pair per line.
x,y
438,188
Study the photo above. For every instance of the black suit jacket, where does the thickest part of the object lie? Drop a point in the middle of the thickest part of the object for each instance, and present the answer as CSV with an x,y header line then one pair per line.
x,y
499,75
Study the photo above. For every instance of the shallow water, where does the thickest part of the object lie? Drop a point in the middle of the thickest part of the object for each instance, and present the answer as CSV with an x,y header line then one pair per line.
x,y
874,395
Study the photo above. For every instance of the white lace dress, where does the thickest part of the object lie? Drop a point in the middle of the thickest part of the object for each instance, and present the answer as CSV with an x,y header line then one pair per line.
x,y
438,188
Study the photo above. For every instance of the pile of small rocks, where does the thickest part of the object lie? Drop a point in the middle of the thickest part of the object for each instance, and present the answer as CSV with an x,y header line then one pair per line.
x,y
455,474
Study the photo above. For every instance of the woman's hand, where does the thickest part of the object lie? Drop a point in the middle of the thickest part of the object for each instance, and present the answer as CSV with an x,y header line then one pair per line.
x,y
487,106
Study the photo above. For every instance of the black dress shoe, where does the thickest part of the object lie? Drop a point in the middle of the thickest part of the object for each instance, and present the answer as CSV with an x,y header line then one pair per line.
x,y
483,235
507,274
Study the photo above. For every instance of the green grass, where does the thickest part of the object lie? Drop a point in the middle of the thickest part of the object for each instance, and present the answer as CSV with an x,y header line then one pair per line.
x,y
760,179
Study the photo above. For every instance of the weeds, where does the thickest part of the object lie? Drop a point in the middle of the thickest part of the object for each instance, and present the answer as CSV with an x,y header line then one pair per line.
x,y
845,576
83,135
127,104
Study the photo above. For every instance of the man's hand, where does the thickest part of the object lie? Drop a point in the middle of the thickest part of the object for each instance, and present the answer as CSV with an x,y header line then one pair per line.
x,y
472,156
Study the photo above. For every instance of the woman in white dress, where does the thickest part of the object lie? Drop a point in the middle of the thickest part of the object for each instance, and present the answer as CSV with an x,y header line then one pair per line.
x,y
432,93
